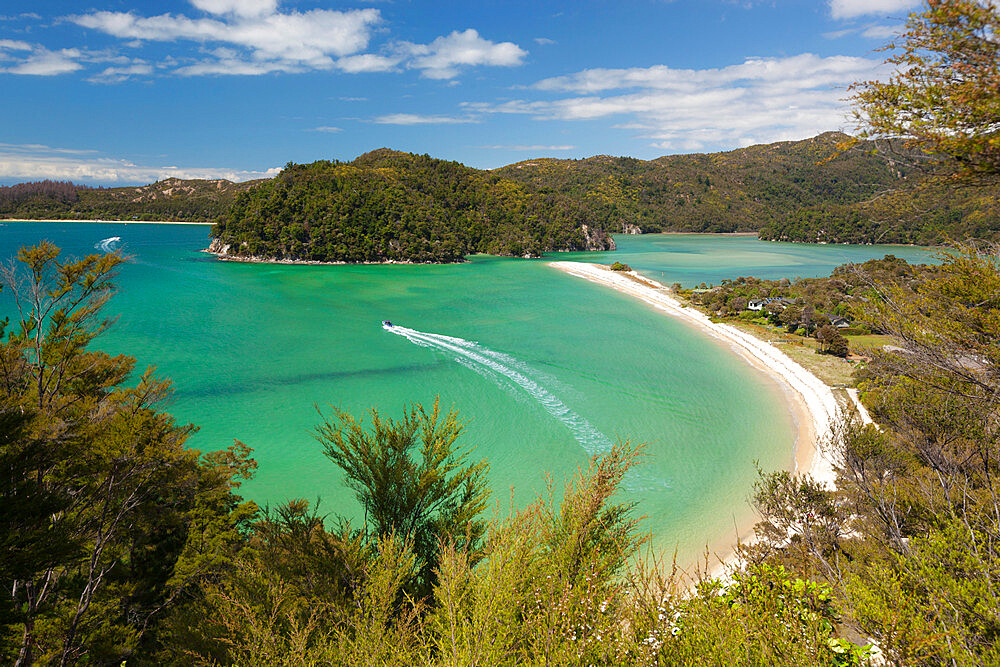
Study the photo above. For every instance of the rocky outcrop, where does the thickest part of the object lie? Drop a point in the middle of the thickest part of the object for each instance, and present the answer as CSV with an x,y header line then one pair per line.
x,y
596,239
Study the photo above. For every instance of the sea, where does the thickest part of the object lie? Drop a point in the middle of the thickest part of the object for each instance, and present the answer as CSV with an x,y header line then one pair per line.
x,y
545,369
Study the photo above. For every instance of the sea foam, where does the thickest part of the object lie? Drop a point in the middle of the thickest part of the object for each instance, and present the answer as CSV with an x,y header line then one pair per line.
x,y
502,368
108,244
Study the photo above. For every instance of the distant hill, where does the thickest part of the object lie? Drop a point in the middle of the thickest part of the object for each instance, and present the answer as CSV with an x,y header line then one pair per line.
x,y
392,206
169,200
810,191
740,190
920,210
387,205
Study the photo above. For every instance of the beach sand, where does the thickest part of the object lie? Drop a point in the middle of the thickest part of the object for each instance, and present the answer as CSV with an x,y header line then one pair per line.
x,y
813,404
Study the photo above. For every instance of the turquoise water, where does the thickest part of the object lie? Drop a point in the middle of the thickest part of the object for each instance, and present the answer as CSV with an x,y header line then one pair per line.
x,y
691,259
546,367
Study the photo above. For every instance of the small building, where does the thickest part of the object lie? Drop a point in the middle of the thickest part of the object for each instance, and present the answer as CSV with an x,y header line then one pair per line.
x,y
755,304
840,322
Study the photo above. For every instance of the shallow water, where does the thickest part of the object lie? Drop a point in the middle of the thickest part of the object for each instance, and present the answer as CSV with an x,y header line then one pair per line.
x,y
548,368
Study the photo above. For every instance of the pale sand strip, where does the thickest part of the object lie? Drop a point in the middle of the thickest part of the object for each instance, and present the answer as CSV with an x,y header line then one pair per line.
x,y
813,402
863,413
122,222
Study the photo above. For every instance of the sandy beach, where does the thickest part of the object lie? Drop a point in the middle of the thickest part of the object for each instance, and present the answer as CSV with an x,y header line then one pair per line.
x,y
812,402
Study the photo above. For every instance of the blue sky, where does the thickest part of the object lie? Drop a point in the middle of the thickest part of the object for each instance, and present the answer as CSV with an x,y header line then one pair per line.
x,y
127,92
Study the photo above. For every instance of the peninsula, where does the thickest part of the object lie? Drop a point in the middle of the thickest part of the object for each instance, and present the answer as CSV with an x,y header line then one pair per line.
x,y
388,206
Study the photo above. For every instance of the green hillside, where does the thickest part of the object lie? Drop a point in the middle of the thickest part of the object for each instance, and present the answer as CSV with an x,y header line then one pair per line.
x,y
740,190
169,200
923,210
392,206
810,191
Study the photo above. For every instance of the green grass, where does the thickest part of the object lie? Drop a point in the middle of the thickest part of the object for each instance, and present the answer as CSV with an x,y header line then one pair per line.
x,y
834,371
870,340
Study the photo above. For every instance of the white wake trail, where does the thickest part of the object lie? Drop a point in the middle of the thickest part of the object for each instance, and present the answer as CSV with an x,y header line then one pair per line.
x,y
108,244
480,358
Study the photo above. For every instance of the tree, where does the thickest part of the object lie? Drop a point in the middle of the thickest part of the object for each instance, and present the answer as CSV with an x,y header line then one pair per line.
x,y
912,545
831,341
412,481
106,516
944,98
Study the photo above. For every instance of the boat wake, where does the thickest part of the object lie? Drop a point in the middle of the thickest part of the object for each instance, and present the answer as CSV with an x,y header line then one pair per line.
x,y
505,369
108,244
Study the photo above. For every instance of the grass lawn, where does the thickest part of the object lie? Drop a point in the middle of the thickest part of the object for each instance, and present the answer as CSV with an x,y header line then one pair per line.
x,y
832,370
871,340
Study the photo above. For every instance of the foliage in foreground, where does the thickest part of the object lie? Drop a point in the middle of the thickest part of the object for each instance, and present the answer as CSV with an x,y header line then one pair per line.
x,y
106,518
554,583
909,542
120,544
943,95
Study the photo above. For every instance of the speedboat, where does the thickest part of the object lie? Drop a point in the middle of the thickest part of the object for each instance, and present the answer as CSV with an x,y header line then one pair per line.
x,y
386,324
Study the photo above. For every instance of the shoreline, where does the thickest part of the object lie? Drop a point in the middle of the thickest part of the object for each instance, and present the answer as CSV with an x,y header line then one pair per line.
x,y
813,404
112,222
223,257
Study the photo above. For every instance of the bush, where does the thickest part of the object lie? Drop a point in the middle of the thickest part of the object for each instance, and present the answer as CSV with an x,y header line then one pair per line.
x,y
618,266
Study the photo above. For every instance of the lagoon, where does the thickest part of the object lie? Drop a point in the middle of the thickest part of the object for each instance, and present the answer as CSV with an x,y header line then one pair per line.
x,y
546,368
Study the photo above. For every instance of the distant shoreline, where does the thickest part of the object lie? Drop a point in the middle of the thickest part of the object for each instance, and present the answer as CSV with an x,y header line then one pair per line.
x,y
114,222
812,403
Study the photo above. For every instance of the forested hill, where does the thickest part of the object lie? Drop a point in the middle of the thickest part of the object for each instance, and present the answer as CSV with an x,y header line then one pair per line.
x,y
740,190
169,200
810,190
387,205
392,206
922,210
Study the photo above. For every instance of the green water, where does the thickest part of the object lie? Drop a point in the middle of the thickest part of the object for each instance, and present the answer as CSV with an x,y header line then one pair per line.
x,y
545,366
691,259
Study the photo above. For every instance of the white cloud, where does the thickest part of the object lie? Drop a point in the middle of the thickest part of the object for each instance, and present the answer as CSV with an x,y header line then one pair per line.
x,y
442,58
14,45
122,73
253,37
43,62
415,119
232,65
805,70
276,41
328,128
21,17
238,7
759,100
848,9
35,162
883,31
42,148
837,34
367,62
544,41
36,60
